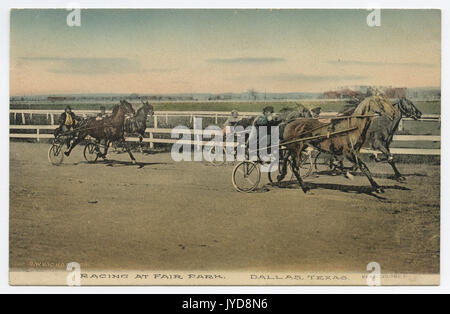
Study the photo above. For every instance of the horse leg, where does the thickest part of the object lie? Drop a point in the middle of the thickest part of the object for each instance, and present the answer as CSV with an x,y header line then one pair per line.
x,y
379,145
398,175
390,159
141,139
75,142
105,153
127,148
295,170
368,174
353,157
299,179
283,170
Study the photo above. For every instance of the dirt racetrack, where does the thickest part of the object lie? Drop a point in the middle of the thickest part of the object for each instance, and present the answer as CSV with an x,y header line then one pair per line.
x,y
163,215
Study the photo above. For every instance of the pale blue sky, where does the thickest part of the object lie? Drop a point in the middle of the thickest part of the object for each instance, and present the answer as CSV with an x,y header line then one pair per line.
x,y
170,51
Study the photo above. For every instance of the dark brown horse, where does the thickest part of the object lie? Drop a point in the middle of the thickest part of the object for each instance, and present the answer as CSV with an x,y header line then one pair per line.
x,y
137,124
109,129
347,143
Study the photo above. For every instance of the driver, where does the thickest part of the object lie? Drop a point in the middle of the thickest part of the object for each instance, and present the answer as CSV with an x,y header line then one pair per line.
x,y
267,119
67,122
231,121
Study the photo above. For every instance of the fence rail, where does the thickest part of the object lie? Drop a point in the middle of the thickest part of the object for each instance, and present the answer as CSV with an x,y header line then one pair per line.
x,y
215,114
153,131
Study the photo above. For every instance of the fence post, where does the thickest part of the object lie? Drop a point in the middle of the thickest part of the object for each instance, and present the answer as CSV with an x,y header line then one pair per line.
x,y
37,134
400,125
216,118
155,122
151,140
52,119
23,118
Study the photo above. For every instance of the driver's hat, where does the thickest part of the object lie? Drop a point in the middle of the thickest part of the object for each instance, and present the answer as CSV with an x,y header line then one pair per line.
x,y
269,109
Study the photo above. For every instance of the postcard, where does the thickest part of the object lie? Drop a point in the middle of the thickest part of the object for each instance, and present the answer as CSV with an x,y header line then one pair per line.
x,y
225,147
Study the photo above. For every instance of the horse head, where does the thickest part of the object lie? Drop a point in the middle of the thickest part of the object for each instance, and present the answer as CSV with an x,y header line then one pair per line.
x,y
408,108
149,108
126,107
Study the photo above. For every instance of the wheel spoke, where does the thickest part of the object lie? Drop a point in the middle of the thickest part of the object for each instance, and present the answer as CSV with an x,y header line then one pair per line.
x,y
251,182
246,176
249,171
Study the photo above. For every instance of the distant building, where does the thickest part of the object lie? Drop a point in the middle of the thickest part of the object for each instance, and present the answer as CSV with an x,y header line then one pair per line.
x,y
342,94
59,98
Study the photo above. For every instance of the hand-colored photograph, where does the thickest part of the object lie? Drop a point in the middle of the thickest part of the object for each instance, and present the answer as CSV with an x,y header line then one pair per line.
x,y
225,147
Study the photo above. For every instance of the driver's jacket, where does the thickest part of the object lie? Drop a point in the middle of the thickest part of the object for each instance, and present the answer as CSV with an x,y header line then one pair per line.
x,y
262,120
63,117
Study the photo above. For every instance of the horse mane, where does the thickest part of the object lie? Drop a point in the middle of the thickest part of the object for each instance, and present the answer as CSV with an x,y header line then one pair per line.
x,y
114,110
378,104
348,110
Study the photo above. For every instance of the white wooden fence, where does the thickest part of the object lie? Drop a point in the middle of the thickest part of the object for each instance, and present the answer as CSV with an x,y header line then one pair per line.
x,y
153,132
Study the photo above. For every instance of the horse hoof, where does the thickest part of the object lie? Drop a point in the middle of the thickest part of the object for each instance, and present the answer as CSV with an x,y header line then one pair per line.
x,y
401,179
380,190
67,154
133,162
349,176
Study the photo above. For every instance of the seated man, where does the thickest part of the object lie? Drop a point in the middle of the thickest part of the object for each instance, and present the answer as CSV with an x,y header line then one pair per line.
x,y
231,122
265,119
67,122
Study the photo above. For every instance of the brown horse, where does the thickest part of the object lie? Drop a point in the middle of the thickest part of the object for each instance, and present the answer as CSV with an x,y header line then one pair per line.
x,y
382,129
109,129
343,136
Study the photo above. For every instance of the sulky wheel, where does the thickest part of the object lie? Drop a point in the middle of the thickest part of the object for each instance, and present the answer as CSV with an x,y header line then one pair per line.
x,y
305,165
246,176
56,154
322,163
91,152
214,161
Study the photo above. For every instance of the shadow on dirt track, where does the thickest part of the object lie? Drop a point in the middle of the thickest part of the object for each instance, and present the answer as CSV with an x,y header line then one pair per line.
x,y
112,163
375,175
367,189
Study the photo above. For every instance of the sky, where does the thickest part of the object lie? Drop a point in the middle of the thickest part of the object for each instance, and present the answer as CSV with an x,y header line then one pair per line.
x,y
217,51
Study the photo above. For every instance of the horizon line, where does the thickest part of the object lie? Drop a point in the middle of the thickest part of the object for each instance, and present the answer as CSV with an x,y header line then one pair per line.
x,y
210,93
